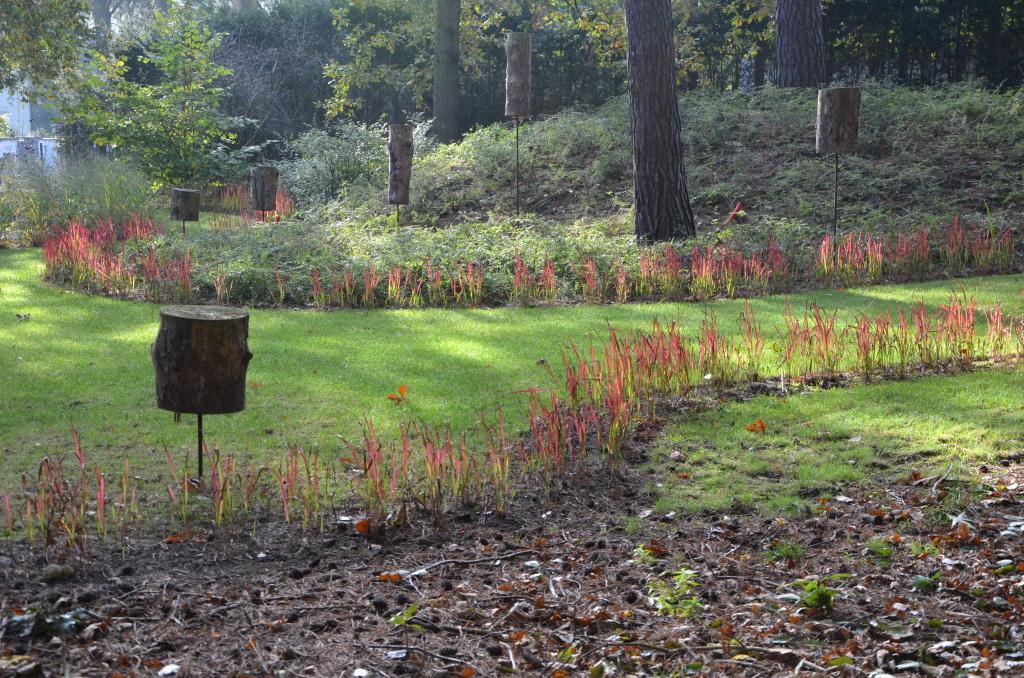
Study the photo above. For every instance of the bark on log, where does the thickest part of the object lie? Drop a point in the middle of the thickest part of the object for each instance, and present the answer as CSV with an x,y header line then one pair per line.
x,y
518,84
200,357
838,120
184,204
263,188
400,152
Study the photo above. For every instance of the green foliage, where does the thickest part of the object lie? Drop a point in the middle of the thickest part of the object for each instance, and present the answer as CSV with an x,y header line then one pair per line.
x,y
34,198
672,593
350,156
171,126
39,41
388,65
786,551
923,155
404,619
817,595
5,127
882,549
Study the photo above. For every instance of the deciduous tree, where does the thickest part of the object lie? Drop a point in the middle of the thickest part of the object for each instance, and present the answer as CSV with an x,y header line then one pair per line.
x,y
39,40
171,126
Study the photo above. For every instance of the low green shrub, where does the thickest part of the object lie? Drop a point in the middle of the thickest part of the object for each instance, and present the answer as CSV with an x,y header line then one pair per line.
x,y
922,154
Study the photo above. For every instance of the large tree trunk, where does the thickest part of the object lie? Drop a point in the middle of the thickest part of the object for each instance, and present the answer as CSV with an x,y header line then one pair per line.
x,y
662,203
799,44
446,70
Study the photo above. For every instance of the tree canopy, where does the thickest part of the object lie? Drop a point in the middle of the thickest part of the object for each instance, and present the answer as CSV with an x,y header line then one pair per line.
x,y
39,41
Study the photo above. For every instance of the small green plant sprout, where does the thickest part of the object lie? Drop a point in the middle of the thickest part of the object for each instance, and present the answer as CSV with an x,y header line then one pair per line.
x,y
923,549
817,595
672,593
882,549
788,552
927,584
644,555
404,619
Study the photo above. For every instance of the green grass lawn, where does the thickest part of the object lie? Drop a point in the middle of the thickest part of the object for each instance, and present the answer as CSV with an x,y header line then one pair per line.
x,y
83,361
822,442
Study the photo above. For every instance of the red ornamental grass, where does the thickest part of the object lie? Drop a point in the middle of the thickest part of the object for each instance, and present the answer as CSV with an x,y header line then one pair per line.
x,y
548,281
622,285
997,337
370,281
522,279
753,343
954,253
826,256
648,273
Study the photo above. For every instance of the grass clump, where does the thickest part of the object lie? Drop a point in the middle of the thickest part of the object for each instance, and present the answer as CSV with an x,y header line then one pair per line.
x,y
35,198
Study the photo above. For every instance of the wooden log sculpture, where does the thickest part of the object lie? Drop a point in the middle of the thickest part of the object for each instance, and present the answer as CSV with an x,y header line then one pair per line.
x,y
184,204
400,152
263,188
518,47
200,356
838,120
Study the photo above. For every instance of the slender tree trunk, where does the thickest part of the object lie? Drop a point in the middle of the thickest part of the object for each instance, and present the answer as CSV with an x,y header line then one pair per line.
x,y
446,70
102,14
662,203
242,5
799,44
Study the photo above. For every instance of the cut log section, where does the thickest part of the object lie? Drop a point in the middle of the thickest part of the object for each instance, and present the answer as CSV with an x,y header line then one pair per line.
x,y
518,71
184,204
400,150
838,120
200,355
263,188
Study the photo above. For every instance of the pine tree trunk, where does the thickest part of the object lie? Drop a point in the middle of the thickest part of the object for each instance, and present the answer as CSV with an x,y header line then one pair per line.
x,y
799,44
662,203
446,71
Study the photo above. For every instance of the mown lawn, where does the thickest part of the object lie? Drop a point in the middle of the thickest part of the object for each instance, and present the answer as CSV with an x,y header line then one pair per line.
x,y
819,443
83,361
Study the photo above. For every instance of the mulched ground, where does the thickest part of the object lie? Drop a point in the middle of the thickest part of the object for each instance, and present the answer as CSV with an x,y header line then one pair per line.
x,y
560,589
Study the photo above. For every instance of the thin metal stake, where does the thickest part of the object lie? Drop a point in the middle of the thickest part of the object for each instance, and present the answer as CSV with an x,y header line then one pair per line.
x,y
398,215
183,228
835,203
200,437
517,166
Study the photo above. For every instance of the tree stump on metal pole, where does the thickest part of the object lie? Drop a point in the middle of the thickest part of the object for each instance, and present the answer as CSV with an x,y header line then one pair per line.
x,y
838,124
400,153
184,206
200,357
263,188
518,86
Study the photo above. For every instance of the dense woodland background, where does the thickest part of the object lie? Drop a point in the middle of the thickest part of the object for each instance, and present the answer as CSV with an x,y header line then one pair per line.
x,y
378,54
